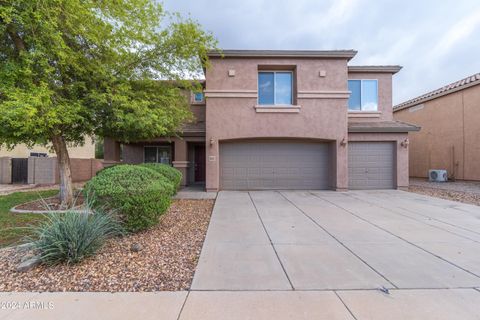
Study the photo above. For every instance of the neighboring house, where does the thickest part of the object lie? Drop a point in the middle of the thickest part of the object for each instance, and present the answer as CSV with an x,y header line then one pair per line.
x,y
87,151
450,136
287,120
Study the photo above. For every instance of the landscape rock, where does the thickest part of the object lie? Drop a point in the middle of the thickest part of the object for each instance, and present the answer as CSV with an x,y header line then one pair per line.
x,y
136,247
24,247
28,264
27,257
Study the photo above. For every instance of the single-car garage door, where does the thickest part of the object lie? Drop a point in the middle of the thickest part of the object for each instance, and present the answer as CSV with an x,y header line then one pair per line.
x,y
274,165
371,165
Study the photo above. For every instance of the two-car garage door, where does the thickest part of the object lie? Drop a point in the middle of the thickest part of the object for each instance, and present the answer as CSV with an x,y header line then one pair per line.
x,y
257,165
272,164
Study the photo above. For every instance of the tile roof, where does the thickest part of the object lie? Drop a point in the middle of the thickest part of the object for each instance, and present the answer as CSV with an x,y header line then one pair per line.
x,y
452,87
381,126
198,126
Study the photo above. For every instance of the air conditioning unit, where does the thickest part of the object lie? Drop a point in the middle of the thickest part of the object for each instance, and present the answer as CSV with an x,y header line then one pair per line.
x,y
437,175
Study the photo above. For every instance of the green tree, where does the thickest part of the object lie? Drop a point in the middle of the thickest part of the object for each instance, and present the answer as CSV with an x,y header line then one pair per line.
x,y
70,68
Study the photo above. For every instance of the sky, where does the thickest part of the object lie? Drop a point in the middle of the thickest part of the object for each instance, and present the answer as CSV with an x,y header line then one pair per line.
x,y
436,41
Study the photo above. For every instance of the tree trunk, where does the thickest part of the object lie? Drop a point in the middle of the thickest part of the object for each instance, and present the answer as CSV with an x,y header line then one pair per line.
x,y
63,160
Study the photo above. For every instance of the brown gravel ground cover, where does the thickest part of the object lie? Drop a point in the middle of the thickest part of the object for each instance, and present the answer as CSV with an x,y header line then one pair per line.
x,y
166,262
465,197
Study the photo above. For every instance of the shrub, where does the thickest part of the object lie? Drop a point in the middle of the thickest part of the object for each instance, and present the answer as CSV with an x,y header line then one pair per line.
x,y
138,195
172,174
72,236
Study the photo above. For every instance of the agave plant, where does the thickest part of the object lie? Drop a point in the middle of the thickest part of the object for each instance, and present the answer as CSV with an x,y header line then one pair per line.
x,y
74,235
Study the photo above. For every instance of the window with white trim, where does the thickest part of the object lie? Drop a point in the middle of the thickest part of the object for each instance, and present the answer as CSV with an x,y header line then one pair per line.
x,y
364,95
275,88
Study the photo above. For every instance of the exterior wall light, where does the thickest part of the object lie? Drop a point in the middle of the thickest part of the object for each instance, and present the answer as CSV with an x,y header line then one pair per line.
x,y
405,143
343,143
212,141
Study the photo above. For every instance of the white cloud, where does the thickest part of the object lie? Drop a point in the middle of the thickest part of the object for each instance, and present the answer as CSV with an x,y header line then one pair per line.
x,y
437,42
458,33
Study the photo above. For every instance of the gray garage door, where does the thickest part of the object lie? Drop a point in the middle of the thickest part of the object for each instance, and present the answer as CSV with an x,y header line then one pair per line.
x,y
274,165
371,165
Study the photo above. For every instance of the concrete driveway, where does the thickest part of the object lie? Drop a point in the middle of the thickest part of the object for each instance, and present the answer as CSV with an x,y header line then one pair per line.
x,y
310,255
353,245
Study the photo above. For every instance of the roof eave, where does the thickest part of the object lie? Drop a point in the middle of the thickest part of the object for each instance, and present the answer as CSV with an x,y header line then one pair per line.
x,y
345,54
374,69
383,130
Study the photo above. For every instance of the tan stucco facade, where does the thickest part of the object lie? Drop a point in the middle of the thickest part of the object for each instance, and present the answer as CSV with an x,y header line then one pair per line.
x,y
86,151
231,112
319,113
450,135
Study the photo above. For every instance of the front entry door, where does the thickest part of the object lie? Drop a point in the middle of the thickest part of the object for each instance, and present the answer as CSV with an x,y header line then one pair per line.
x,y
199,163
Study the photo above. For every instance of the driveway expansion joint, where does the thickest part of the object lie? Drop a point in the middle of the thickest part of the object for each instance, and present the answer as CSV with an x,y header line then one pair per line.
x,y
337,240
345,305
183,305
271,242
417,220
403,239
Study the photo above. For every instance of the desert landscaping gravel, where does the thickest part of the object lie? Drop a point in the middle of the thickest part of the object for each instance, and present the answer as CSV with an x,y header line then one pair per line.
x,y
162,258
465,197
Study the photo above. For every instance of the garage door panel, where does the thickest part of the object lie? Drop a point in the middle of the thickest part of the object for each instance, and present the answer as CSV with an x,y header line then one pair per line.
x,y
371,165
274,165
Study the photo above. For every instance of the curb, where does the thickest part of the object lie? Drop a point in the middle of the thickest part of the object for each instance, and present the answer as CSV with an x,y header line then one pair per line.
x,y
15,210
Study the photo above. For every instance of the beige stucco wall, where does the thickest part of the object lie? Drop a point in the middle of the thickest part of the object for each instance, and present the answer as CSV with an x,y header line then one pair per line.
x,y
236,118
450,135
87,151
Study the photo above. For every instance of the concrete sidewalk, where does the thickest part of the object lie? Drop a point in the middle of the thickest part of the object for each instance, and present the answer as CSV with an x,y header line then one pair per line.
x,y
438,304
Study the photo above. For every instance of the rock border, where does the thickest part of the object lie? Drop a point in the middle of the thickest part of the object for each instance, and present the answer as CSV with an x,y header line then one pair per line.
x,y
15,210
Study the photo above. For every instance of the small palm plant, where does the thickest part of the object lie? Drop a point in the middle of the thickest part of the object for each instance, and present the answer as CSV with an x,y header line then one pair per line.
x,y
69,237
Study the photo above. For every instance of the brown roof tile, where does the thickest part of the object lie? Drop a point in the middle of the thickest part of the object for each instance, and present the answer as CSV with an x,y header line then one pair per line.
x,y
194,127
452,87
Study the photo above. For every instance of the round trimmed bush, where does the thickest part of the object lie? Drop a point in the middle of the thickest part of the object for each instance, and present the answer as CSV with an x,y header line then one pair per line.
x,y
172,174
137,194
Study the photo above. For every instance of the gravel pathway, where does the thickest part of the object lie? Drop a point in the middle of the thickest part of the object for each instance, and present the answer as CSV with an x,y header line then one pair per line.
x,y
166,262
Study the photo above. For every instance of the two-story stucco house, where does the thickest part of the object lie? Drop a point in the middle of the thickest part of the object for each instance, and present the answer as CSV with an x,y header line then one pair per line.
x,y
287,120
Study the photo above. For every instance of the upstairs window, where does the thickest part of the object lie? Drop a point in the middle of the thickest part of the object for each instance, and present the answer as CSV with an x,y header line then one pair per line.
x,y
198,97
275,88
364,95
